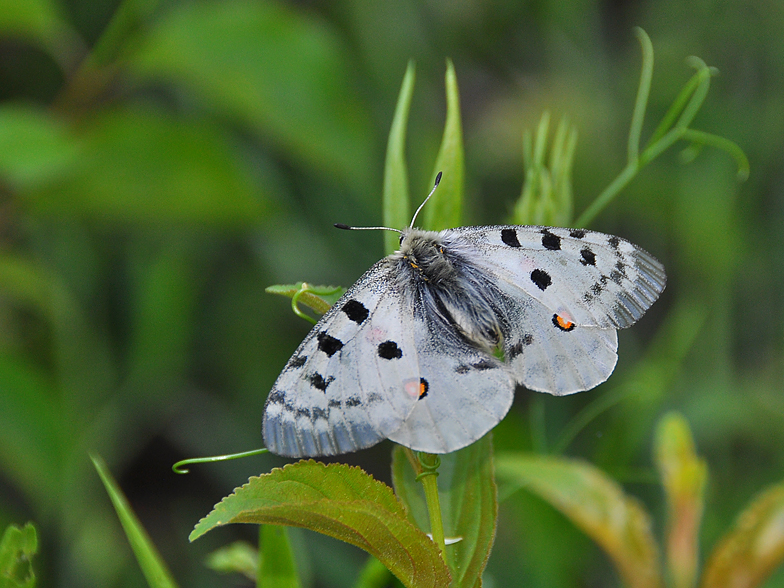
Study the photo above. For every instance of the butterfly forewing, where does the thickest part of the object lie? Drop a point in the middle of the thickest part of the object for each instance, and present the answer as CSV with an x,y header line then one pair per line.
x,y
343,389
588,278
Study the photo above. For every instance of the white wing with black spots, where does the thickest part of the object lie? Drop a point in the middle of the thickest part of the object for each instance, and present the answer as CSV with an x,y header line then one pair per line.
x,y
428,346
465,391
588,278
348,385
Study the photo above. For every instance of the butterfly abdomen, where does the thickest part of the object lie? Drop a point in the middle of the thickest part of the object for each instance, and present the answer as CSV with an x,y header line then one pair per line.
x,y
449,287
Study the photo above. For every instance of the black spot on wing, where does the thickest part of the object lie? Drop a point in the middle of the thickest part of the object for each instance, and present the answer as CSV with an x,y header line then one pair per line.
x,y
614,242
509,237
352,401
480,366
328,344
587,257
276,397
550,241
320,382
298,361
484,364
389,350
577,233
541,278
517,348
355,311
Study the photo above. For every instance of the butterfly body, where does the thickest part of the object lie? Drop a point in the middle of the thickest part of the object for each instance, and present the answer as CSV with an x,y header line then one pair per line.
x,y
428,346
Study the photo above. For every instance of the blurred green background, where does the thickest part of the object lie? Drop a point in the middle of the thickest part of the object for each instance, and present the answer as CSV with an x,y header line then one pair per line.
x,y
161,163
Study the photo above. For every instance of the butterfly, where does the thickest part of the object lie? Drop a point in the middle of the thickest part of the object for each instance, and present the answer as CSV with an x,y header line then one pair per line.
x,y
428,346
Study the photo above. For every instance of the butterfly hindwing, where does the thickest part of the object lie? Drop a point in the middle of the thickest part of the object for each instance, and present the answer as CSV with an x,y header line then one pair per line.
x,y
548,356
465,391
343,389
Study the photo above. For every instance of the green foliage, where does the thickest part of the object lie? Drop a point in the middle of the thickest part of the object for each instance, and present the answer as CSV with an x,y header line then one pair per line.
x,y
745,557
17,548
469,505
339,501
154,568
162,163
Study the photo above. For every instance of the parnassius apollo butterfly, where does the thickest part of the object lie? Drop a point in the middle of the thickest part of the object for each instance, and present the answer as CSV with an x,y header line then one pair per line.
x,y
428,346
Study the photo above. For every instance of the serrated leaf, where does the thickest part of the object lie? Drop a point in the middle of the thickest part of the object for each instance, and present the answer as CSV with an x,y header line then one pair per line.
x,y
683,476
395,200
150,561
317,298
469,505
339,501
282,71
595,504
754,548
445,208
140,165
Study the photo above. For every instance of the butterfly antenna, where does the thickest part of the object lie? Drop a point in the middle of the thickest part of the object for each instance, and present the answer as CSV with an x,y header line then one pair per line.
x,y
348,228
438,181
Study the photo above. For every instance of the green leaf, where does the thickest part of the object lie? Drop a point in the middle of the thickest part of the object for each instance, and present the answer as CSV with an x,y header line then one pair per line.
x,y
546,198
595,504
239,557
683,476
276,565
141,166
469,505
339,501
754,548
152,565
35,147
395,199
17,548
31,440
40,22
445,208
279,70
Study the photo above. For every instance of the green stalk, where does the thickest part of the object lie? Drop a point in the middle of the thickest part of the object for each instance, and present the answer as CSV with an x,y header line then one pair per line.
x,y
425,466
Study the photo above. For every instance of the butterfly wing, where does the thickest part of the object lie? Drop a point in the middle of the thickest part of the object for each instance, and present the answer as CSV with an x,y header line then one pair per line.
x,y
353,380
588,278
465,391
565,291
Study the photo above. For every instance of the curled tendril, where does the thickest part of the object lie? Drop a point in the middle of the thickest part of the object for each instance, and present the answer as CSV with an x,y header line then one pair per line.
x,y
428,468
303,289
178,468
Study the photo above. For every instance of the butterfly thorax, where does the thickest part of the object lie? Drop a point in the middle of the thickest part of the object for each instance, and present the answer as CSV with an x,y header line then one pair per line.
x,y
449,286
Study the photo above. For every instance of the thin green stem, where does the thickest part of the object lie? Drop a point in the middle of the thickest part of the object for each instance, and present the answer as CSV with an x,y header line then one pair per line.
x,y
425,466
429,479
718,142
643,91
177,468
610,192
700,93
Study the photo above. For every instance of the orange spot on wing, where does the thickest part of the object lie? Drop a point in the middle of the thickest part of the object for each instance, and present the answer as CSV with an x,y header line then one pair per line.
x,y
563,323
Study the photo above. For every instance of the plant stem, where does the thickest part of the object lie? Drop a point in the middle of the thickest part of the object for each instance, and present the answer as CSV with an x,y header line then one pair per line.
x,y
425,466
